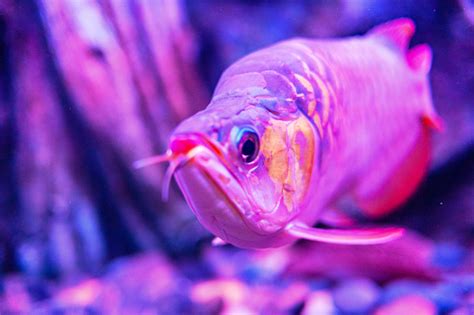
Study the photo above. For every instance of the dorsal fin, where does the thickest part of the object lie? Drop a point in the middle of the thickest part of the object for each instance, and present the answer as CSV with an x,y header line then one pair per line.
x,y
397,32
419,58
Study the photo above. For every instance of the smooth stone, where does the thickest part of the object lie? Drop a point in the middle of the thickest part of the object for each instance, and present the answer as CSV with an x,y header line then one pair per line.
x,y
449,255
356,295
447,296
408,304
399,288
319,302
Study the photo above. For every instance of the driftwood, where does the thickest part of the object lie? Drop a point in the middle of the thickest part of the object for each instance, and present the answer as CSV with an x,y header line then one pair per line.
x,y
88,87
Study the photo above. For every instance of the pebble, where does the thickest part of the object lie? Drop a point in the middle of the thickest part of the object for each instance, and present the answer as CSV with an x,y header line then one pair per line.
x,y
408,304
447,296
467,308
356,295
83,294
319,302
448,255
15,296
402,287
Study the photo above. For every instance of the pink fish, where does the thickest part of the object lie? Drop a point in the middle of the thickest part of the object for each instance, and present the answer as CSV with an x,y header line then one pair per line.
x,y
295,127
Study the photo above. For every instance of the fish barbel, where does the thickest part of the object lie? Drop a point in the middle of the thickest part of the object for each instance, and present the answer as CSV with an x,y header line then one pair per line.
x,y
293,128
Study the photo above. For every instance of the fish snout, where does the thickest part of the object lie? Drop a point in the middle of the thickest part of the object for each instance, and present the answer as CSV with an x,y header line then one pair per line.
x,y
183,143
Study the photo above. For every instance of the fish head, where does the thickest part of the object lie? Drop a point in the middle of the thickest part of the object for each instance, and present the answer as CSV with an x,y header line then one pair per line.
x,y
245,170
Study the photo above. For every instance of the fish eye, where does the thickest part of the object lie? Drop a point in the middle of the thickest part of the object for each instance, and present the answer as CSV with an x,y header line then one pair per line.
x,y
248,145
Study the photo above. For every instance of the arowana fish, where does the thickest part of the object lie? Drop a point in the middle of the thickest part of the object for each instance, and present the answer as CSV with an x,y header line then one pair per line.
x,y
293,128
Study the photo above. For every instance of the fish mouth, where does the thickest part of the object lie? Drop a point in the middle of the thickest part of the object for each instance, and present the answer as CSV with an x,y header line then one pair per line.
x,y
217,207
212,189
214,193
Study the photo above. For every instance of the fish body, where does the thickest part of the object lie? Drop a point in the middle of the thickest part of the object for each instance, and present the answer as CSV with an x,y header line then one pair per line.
x,y
293,128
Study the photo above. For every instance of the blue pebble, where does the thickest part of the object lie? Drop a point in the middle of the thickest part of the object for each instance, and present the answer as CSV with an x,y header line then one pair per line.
x,y
318,284
398,288
447,296
449,255
464,282
251,274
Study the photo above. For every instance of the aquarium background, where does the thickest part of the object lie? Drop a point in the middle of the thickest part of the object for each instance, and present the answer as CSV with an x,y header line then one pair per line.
x,y
89,86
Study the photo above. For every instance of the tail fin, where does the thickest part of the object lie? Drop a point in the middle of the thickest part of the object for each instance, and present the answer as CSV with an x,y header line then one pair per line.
x,y
397,33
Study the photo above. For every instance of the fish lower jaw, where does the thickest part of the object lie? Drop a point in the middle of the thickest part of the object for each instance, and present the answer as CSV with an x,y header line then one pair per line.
x,y
263,226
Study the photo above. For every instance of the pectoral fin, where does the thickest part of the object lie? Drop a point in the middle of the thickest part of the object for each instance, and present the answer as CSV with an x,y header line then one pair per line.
x,y
364,236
